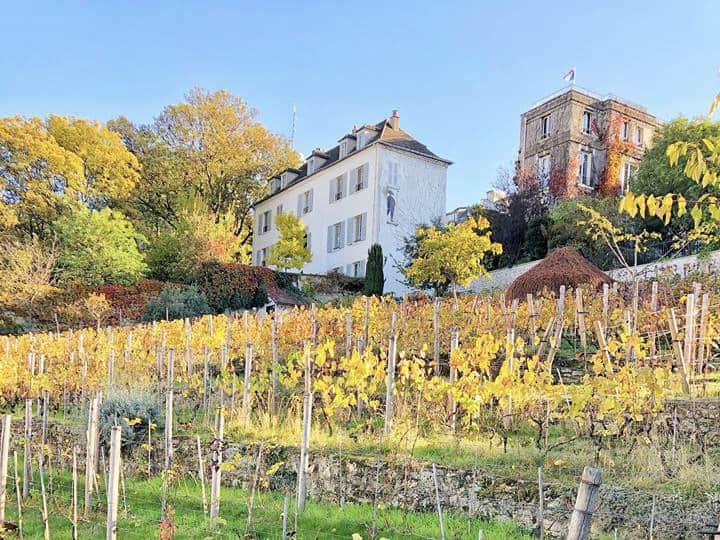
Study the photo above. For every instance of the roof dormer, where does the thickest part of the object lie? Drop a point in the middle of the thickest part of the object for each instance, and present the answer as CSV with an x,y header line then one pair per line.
x,y
363,135
316,160
347,145
274,184
288,176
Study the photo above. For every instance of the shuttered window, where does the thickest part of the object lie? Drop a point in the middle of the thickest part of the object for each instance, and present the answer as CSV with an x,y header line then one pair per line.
x,y
359,178
336,236
305,203
338,188
357,228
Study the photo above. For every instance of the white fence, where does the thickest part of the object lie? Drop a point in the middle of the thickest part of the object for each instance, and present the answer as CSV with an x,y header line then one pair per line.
x,y
681,266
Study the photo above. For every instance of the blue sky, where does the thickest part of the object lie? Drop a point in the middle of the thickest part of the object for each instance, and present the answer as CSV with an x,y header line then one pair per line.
x,y
460,73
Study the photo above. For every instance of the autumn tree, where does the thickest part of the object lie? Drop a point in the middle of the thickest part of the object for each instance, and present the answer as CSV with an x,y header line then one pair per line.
x,y
291,250
454,256
226,154
47,168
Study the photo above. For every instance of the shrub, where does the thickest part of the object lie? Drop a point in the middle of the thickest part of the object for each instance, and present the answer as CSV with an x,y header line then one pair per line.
x,y
133,411
232,286
176,302
374,276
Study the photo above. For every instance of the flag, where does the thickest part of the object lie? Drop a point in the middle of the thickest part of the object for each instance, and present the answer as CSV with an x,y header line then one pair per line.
x,y
570,75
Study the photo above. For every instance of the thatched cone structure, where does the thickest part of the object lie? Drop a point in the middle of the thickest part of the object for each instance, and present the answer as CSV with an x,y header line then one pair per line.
x,y
563,266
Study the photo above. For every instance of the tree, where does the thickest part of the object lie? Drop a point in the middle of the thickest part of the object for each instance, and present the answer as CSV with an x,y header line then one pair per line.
x,y
99,246
374,276
155,203
47,168
227,155
291,250
27,276
454,256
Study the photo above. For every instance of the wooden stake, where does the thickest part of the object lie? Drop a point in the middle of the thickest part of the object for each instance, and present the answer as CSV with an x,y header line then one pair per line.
x,y
91,456
18,495
677,347
305,437
201,476
541,504
436,335
437,501
275,351
454,344
217,458
43,495
27,456
348,334
4,458
169,399
390,377
579,528
246,386
286,509
74,494
251,501
113,488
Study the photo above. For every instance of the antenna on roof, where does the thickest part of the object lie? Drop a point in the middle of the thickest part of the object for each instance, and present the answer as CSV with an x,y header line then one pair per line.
x,y
292,132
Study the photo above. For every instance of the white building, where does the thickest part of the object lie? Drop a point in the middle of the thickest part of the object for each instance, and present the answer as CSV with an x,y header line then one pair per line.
x,y
376,186
490,202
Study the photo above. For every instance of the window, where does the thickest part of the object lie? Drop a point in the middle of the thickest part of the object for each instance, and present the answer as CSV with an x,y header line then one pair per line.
x,y
278,211
625,130
358,178
544,166
586,122
357,269
361,139
337,236
262,256
305,203
265,221
639,136
393,174
337,188
274,185
310,166
628,171
308,239
586,169
545,126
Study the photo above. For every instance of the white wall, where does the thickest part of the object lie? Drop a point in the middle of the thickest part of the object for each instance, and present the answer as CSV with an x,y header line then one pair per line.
x,y
419,190
324,213
681,266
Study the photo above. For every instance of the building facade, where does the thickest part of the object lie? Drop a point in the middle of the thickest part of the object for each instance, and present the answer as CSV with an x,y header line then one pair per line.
x,y
579,142
375,186
492,201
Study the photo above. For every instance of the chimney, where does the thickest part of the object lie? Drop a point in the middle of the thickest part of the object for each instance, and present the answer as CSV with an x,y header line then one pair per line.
x,y
395,120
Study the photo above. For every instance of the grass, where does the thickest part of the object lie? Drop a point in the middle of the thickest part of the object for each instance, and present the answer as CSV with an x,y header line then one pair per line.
x,y
140,519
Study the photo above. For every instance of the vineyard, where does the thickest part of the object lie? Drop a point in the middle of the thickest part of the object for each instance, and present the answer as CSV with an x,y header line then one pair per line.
x,y
542,385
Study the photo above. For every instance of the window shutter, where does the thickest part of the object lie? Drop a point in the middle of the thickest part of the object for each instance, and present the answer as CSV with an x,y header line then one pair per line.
x,y
333,190
330,239
308,236
351,179
310,200
344,184
259,224
363,226
364,180
350,231
270,220
362,269
299,206
342,234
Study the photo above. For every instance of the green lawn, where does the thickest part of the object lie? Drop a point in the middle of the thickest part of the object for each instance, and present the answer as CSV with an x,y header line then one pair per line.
x,y
140,519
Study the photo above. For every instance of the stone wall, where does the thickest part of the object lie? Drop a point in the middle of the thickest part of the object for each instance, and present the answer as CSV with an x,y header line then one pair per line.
x,y
475,492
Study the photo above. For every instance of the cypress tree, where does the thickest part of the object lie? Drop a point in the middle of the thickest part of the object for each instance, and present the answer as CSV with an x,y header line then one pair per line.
x,y
374,277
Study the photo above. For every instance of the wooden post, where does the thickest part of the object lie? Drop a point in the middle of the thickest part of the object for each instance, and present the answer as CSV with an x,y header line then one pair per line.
x,y
217,457
579,528
390,378
43,496
188,349
305,437
113,488
246,386
251,500
454,344
580,306
602,344
677,347
689,332
606,304
701,345
541,505
91,438
206,379
4,457
18,495
286,510
366,329
74,494
437,501
169,399
654,297
111,369
201,476
436,335
532,316
275,351
348,334
27,456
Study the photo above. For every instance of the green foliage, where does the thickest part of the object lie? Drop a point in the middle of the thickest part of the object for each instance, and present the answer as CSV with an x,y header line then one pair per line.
x,y
134,411
291,250
99,246
374,276
231,286
563,228
176,302
536,238
454,256
172,256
